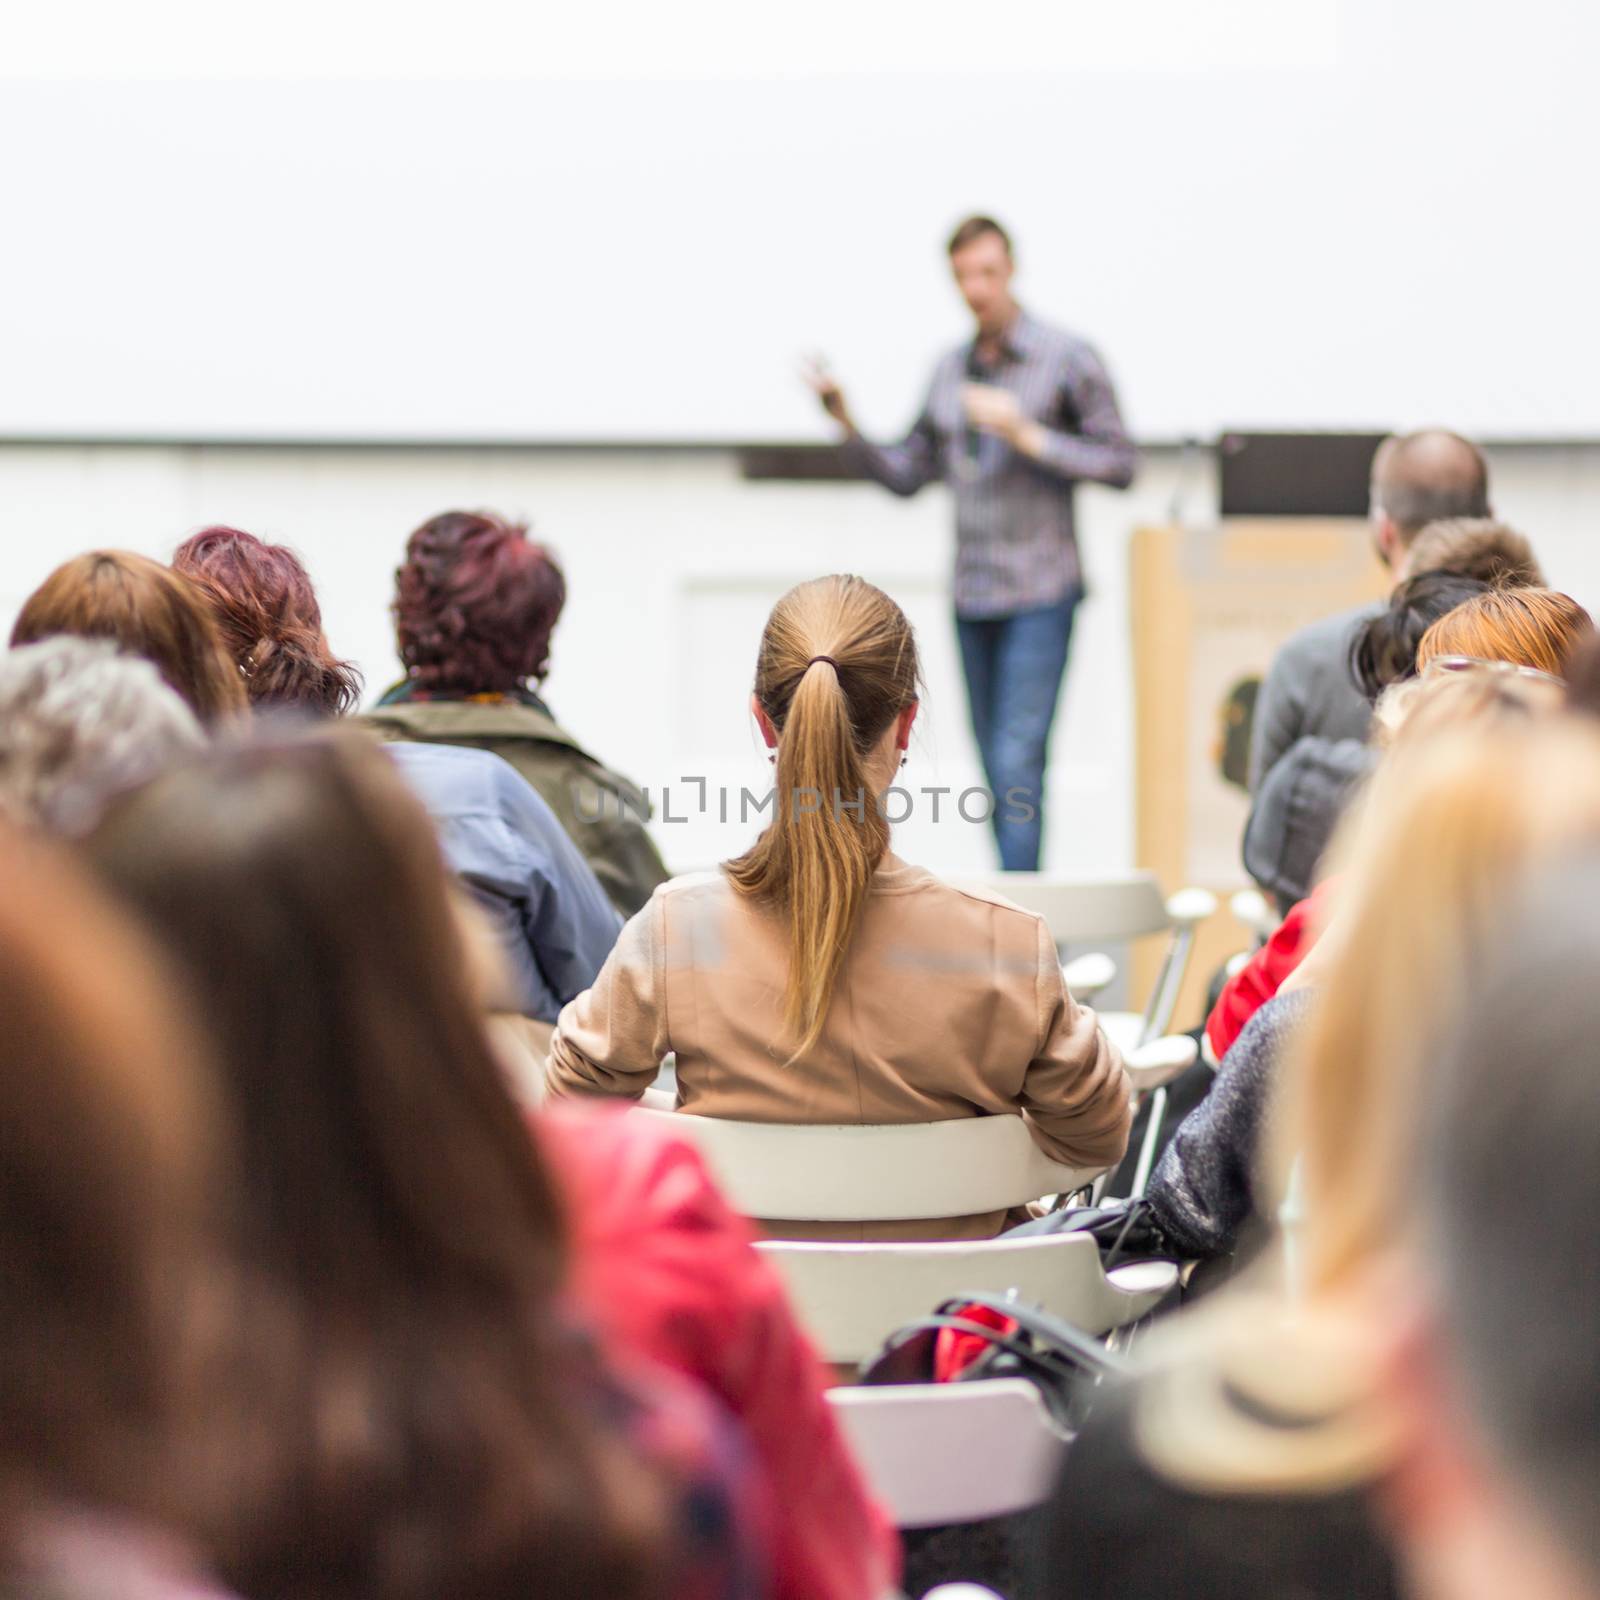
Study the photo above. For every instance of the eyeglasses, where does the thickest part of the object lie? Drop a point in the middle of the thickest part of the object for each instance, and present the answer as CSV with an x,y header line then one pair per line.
x,y
1441,665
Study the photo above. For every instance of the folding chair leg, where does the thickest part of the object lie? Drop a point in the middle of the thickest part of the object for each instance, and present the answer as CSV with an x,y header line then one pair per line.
x,y
1152,1140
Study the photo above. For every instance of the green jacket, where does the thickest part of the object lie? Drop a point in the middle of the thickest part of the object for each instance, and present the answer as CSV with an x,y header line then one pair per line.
x,y
603,813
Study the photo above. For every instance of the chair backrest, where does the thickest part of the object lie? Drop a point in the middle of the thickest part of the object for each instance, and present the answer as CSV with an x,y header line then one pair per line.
x,y
939,1453
1083,911
904,1172
851,1297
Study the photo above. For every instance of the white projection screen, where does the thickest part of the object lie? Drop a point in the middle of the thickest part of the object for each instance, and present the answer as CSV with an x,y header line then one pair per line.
x,y
628,224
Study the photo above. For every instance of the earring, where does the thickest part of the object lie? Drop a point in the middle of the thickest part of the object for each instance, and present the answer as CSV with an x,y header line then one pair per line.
x,y
772,760
903,760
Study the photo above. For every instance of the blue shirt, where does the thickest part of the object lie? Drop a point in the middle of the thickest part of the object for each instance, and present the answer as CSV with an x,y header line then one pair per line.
x,y
503,841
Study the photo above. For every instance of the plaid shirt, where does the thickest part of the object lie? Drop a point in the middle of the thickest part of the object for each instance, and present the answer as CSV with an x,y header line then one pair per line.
x,y
1016,549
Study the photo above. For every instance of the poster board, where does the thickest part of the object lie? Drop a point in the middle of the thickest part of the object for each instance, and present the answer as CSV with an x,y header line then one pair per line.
x,y
1210,608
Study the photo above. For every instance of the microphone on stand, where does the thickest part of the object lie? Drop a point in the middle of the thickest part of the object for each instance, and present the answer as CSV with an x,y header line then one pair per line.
x,y
1190,452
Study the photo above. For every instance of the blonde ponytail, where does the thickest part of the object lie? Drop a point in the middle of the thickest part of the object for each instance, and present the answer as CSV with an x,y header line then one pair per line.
x,y
837,665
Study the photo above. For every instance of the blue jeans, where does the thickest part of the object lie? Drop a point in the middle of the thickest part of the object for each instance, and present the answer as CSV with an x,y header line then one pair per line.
x,y
1014,666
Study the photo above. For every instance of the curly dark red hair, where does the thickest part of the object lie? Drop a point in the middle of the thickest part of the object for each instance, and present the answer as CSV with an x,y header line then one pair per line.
x,y
475,605
270,621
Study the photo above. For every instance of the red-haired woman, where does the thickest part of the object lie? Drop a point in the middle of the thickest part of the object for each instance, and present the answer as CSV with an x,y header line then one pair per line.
x,y
475,604
270,621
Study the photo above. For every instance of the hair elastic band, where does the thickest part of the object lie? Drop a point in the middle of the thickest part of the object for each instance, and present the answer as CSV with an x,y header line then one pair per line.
x,y
829,659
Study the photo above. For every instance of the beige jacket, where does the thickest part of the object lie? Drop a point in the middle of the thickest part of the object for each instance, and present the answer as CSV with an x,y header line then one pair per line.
x,y
950,1004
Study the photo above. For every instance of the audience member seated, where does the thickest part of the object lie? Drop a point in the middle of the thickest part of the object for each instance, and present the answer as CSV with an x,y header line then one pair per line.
x,y
1299,802
475,604
1417,478
270,621
453,1433
1583,678
1243,1463
818,978
1474,547
80,724
664,1267
545,907
1534,628
1384,650
147,610
1493,1380
111,1450
1203,1192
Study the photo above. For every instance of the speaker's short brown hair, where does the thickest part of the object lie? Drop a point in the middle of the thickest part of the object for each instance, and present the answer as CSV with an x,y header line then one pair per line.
x,y
974,228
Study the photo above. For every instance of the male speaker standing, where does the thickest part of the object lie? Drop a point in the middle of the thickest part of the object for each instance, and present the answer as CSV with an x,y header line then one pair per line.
x,y
1013,420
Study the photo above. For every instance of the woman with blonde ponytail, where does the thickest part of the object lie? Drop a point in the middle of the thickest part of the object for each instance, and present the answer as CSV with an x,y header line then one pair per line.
x,y
817,978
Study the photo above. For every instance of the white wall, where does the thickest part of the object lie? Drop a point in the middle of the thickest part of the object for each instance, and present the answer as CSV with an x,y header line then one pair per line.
x,y
672,563
624,222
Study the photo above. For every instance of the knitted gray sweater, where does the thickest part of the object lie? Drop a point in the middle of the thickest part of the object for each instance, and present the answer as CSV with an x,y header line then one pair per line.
x,y
1202,1192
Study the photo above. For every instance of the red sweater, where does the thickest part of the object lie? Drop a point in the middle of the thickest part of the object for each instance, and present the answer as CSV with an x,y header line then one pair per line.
x,y
665,1269
1259,979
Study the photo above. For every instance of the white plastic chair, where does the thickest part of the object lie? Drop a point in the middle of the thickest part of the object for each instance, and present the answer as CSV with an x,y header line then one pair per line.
x,y
941,1453
852,1296
1150,1070
1089,974
1250,907
865,1173
1111,910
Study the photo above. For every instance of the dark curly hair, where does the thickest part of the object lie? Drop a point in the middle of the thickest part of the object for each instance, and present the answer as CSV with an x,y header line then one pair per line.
x,y
271,623
1384,650
475,604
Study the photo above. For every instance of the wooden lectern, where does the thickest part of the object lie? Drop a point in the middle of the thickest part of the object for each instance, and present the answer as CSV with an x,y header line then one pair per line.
x,y
1210,608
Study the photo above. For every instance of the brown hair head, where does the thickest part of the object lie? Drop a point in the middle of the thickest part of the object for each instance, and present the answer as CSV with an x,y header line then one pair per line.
x,y
270,621
1527,627
439,1413
1475,547
105,1154
1583,677
475,604
973,228
148,610
815,859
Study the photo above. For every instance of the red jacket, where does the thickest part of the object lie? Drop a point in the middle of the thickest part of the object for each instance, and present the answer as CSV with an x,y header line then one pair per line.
x,y
665,1269
1259,979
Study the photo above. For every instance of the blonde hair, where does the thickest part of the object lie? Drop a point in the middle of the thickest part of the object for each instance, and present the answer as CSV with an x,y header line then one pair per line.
x,y
1411,710
1529,627
1479,788
814,861
1451,820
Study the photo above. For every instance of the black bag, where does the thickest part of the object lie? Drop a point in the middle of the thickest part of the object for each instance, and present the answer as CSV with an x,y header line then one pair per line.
x,y
1125,1230
1066,1364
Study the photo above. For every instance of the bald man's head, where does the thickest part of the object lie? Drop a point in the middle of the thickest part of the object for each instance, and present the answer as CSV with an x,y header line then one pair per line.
x,y
1418,478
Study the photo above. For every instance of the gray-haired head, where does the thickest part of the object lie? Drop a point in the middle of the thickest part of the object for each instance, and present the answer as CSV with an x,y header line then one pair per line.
x,y
1510,1202
79,725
